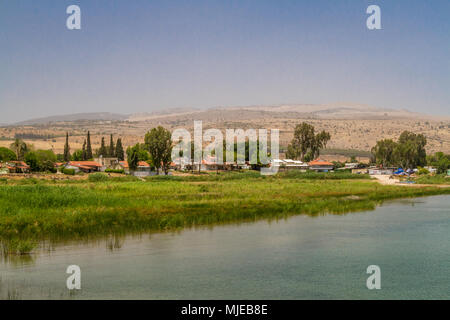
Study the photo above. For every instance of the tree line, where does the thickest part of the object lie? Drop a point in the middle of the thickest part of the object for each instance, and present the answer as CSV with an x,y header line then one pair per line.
x,y
408,152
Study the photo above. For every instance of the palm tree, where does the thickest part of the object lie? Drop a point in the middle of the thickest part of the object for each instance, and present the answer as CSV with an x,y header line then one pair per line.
x,y
20,148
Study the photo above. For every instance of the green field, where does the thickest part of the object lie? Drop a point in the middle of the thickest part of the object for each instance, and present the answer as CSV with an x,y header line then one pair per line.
x,y
36,210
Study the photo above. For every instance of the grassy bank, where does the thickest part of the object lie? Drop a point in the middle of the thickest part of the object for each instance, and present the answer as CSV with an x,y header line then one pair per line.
x,y
435,179
48,210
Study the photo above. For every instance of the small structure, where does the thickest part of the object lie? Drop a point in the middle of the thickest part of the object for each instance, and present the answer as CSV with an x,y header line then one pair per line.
x,y
295,164
107,162
210,164
319,165
289,164
84,166
143,169
124,166
360,171
431,169
181,163
17,167
448,172
352,165
4,168
381,171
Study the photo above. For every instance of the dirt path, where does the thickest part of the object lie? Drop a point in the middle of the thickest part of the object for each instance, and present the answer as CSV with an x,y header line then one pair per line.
x,y
386,180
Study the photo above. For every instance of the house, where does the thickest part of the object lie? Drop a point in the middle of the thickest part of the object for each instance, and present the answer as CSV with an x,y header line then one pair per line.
x,y
353,165
181,163
107,162
289,164
143,169
84,166
381,171
124,166
319,165
4,168
295,164
18,167
210,163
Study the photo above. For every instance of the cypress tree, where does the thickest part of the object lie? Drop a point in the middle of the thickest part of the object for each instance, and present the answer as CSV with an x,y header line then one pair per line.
x,y
88,147
111,152
134,159
119,150
84,156
102,151
67,149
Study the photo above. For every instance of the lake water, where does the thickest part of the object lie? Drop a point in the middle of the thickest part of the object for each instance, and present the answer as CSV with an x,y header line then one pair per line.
x,y
302,257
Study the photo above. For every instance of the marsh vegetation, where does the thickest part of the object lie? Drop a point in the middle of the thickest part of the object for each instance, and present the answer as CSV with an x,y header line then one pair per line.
x,y
47,210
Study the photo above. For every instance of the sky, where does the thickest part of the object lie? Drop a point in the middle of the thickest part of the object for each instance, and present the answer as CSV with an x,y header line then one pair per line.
x,y
146,55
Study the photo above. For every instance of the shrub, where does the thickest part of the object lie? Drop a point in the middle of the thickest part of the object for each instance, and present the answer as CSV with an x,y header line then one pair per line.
x,y
115,171
422,171
124,179
98,177
69,171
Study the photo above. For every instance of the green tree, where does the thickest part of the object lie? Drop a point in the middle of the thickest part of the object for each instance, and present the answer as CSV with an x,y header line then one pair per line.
x,y
89,155
46,160
32,161
41,160
20,148
384,152
306,144
440,161
133,159
7,154
159,144
119,150
83,152
410,151
142,154
67,148
102,151
111,150
78,155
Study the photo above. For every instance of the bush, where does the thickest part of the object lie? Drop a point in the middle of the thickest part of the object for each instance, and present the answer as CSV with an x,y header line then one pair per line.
x,y
421,171
115,171
98,177
69,171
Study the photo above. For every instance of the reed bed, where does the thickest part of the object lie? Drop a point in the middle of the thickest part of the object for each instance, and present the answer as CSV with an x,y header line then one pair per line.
x,y
42,210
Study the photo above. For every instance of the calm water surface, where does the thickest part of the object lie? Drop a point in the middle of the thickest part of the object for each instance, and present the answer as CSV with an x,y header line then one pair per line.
x,y
303,257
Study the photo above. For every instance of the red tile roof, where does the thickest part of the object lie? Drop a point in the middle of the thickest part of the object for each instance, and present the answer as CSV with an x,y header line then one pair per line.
x,y
143,164
20,164
84,164
124,164
319,162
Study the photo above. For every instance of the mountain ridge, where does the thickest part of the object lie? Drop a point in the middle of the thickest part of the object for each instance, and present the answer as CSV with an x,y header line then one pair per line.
x,y
338,111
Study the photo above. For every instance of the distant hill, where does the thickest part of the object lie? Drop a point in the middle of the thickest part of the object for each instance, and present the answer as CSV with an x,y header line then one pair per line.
x,y
336,111
352,126
107,116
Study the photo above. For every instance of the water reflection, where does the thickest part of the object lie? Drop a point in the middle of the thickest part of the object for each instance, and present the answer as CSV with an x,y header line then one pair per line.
x,y
296,258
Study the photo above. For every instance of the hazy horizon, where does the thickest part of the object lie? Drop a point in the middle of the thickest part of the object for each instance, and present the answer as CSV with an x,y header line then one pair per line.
x,y
140,56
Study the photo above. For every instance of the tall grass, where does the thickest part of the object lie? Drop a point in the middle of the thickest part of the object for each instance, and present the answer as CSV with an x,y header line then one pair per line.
x,y
436,179
48,210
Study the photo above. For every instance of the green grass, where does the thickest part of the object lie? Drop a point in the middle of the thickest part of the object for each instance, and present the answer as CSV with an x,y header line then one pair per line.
x,y
436,179
79,210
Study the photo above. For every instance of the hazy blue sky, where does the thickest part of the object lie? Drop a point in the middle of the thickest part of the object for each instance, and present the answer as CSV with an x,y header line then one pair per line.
x,y
143,55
